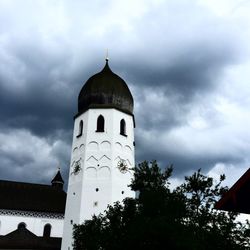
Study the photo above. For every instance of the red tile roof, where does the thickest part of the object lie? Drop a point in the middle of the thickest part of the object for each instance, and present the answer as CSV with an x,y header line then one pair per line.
x,y
237,197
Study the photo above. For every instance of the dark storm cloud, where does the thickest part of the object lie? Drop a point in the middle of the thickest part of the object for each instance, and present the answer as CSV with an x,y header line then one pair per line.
x,y
182,162
39,87
183,71
184,63
180,66
25,157
39,98
171,57
188,154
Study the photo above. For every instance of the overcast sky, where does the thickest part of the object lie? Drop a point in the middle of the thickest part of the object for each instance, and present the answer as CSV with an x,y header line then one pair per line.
x,y
187,64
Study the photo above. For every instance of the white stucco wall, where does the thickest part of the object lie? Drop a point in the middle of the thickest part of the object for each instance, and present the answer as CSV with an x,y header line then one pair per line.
x,y
98,154
9,223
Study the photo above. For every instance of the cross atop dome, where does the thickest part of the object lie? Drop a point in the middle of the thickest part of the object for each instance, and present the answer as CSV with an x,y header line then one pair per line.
x,y
107,56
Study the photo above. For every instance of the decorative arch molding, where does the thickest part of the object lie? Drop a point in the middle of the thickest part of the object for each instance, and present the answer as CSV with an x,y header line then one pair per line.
x,y
75,154
91,173
128,161
104,157
104,172
127,149
105,145
93,146
118,158
118,146
81,150
92,159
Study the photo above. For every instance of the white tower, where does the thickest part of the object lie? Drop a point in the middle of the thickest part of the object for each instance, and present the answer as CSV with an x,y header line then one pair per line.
x,y
102,150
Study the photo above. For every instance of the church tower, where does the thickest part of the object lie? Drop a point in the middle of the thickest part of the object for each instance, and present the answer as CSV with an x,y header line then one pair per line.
x,y
102,150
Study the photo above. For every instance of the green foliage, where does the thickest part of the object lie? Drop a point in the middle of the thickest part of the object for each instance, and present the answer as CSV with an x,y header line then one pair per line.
x,y
161,218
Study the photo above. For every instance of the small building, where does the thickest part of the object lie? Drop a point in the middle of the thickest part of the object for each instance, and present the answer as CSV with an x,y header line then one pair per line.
x,y
31,215
236,198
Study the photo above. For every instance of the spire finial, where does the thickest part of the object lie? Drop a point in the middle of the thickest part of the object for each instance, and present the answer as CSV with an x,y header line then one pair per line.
x,y
107,55
58,168
58,181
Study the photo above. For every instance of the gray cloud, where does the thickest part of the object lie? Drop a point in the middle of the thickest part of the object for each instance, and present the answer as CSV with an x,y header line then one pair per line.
x,y
173,55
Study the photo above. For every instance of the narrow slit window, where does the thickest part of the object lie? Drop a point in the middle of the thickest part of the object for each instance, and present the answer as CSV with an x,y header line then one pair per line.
x,y
123,127
100,124
80,128
47,230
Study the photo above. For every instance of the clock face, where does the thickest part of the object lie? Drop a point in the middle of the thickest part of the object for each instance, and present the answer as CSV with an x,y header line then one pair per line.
x,y
122,166
77,168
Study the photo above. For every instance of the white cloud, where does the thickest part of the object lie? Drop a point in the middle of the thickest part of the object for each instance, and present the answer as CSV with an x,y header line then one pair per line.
x,y
232,172
28,157
207,40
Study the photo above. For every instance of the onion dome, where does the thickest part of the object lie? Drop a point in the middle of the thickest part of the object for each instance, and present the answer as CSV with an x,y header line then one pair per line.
x,y
58,180
105,90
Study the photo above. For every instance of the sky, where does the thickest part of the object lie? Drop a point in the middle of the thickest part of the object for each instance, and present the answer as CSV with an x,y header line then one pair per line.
x,y
186,62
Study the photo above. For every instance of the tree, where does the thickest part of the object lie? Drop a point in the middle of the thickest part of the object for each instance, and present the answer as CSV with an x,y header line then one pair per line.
x,y
161,218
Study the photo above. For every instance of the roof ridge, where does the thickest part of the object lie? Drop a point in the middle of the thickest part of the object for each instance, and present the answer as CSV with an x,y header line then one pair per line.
x,y
23,183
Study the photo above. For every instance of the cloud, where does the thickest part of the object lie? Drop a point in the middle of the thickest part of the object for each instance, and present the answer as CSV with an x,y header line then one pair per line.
x,y
186,64
25,157
212,133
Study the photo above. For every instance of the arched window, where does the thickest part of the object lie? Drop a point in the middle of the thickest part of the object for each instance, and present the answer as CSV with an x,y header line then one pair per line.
x,y
80,128
100,124
21,225
123,127
47,230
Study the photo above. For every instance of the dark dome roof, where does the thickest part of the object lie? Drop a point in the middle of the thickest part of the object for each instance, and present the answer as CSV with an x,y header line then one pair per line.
x,y
105,90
